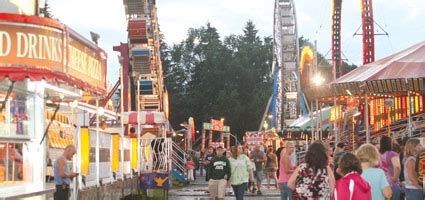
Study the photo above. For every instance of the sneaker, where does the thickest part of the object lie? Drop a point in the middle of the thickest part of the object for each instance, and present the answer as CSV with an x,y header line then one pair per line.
x,y
253,190
259,192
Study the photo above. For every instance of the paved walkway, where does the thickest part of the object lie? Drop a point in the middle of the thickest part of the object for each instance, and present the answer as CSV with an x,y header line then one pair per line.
x,y
198,191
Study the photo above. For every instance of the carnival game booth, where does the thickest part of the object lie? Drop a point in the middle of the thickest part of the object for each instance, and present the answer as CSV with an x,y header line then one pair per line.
x,y
150,150
386,95
45,69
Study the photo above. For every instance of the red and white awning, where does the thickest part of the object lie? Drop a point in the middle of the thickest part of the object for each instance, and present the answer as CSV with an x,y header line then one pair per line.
x,y
145,117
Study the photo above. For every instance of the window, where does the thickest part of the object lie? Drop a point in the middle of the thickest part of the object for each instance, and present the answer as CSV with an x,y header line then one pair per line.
x,y
17,116
11,163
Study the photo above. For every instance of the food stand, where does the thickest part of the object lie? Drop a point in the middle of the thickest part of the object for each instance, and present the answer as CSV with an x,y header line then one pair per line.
x,y
389,93
45,70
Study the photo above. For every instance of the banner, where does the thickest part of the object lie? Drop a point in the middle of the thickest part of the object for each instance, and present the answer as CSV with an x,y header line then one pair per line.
x,y
115,153
191,128
85,150
155,180
134,153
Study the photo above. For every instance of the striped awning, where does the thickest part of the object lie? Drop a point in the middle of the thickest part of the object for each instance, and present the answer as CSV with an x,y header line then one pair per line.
x,y
145,117
398,73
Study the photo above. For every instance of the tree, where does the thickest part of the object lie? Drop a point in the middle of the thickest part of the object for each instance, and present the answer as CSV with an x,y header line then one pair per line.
x,y
210,78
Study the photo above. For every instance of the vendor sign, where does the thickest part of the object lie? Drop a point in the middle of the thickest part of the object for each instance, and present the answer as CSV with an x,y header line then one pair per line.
x,y
252,138
41,48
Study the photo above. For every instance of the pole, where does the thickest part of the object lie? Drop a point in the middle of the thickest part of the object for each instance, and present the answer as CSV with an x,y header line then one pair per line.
x,y
366,116
122,123
335,125
138,127
97,145
320,122
203,139
211,138
312,122
221,137
354,145
228,141
317,120
409,129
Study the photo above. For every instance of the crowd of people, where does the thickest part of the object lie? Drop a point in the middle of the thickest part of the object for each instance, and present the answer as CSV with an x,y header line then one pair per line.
x,y
387,170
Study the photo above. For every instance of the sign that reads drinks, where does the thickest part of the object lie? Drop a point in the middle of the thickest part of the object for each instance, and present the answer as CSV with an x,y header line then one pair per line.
x,y
36,42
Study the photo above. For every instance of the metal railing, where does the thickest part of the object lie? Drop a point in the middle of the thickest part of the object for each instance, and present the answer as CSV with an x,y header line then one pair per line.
x,y
155,154
178,158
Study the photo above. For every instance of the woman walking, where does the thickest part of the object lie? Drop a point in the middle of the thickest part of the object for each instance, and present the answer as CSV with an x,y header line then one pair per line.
x,y
369,158
251,183
390,163
271,167
286,168
351,186
413,189
313,179
240,170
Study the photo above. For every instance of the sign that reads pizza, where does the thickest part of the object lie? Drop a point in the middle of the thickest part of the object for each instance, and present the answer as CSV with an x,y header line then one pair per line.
x,y
86,63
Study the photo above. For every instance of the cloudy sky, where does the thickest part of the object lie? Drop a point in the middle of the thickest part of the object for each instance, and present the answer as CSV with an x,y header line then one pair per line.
x,y
403,20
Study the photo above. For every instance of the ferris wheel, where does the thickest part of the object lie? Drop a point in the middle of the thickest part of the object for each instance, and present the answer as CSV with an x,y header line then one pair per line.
x,y
286,87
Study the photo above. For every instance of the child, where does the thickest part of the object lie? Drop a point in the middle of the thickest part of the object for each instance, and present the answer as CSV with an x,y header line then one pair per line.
x,y
190,165
351,185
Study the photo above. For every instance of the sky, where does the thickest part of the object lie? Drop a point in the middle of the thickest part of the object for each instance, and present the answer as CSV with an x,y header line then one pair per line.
x,y
402,20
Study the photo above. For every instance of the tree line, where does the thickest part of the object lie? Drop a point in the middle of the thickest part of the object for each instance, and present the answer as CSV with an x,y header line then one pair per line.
x,y
209,77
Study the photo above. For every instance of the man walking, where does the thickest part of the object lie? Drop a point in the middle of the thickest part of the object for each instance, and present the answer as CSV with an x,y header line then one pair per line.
x,y
63,174
258,157
219,173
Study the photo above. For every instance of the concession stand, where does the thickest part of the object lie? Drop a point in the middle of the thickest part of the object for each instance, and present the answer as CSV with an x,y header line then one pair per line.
x,y
46,69
385,97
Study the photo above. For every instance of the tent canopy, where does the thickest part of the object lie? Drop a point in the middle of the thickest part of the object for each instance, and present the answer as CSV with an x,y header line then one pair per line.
x,y
305,122
398,73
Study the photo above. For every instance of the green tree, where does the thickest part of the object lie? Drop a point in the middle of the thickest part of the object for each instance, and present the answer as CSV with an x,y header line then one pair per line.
x,y
210,78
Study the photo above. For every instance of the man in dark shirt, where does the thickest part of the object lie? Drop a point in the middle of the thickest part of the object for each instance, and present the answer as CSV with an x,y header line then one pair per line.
x,y
258,157
208,157
219,173
278,151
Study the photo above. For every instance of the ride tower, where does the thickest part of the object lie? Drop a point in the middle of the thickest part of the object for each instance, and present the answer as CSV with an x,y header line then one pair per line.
x,y
144,74
286,88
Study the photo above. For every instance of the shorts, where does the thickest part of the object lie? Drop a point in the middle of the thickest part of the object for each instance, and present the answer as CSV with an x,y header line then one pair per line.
x,y
258,175
217,188
271,169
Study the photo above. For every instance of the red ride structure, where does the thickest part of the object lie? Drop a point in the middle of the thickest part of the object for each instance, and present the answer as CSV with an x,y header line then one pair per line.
x,y
336,39
368,32
368,35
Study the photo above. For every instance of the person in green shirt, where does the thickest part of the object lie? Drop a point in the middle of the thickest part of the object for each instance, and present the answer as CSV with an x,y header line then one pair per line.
x,y
219,174
241,171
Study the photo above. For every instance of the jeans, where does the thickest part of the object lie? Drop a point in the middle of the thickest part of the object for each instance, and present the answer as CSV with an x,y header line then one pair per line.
x,y
285,191
396,192
201,168
413,194
239,190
